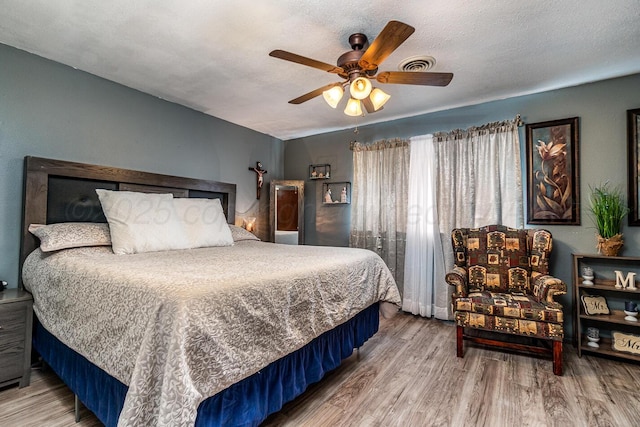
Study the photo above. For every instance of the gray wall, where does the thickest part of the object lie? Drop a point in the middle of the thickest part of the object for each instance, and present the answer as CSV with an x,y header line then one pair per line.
x,y
324,225
601,107
54,111
51,110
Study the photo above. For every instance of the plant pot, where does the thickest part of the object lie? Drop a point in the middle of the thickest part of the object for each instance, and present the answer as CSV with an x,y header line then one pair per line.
x,y
610,246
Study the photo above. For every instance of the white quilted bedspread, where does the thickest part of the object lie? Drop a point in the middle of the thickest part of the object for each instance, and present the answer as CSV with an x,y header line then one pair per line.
x,y
180,326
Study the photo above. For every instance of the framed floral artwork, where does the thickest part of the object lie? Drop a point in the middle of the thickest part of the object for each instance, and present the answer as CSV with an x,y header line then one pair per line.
x,y
633,124
553,189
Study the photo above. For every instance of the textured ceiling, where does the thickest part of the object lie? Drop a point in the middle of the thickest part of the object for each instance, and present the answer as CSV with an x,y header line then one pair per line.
x,y
212,55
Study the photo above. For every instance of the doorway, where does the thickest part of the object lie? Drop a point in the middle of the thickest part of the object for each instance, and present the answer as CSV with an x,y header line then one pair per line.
x,y
287,212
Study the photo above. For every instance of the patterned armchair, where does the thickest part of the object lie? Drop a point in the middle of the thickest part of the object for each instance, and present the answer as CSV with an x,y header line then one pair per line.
x,y
502,284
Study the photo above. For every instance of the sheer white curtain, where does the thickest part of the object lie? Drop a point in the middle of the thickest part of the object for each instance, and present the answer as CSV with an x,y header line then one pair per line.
x,y
424,262
476,181
379,201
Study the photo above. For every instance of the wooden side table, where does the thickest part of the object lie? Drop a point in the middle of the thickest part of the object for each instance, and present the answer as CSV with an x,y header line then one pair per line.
x,y
16,323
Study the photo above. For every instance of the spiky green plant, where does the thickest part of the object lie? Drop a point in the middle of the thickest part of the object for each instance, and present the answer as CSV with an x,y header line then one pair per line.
x,y
608,209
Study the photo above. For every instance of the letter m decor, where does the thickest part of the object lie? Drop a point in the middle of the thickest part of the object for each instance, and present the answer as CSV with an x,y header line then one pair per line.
x,y
624,342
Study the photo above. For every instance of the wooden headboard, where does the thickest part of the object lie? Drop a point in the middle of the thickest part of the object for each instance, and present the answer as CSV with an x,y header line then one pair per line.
x,y
60,191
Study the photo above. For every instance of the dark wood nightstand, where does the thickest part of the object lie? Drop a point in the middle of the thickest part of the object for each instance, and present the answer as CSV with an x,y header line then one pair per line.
x,y
16,323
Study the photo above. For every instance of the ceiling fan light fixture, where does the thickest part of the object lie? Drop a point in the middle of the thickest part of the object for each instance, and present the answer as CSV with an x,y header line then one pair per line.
x,y
360,88
378,98
359,68
353,108
333,95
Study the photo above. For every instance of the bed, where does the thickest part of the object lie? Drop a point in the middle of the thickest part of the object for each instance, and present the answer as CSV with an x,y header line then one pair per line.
x,y
204,336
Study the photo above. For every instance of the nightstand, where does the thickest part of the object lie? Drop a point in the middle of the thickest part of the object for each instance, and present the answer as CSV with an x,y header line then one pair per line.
x,y
16,322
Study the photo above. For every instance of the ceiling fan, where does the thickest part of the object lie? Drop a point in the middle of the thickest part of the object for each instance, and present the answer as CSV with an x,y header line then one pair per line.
x,y
359,66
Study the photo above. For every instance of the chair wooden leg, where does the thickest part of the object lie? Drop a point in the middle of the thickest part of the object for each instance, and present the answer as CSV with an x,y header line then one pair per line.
x,y
557,357
459,340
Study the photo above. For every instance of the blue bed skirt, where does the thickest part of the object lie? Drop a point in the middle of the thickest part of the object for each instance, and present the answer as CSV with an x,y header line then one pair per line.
x,y
246,403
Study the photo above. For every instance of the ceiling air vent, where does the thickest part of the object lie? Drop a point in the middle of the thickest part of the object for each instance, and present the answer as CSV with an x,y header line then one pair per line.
x,y
417,63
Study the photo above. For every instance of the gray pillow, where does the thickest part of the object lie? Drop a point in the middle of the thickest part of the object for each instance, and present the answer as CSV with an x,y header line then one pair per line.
x,y
66,235
239,233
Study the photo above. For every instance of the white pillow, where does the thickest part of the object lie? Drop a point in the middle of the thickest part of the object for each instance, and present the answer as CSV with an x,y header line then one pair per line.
x,y
204,222
141,222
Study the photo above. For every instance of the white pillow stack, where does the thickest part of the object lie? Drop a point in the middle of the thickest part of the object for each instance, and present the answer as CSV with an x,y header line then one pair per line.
x,y
141,222
147,222
204,222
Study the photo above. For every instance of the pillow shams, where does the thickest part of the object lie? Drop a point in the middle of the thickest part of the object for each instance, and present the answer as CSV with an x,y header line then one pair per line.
x,y
141,222
66,235
204,222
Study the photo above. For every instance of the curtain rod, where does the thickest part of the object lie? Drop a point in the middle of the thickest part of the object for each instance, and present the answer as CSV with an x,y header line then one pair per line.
x,y
385,143
516,121
458,133
378,145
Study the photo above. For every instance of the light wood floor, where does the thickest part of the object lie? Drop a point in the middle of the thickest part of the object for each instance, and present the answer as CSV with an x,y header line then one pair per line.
x,y
408,375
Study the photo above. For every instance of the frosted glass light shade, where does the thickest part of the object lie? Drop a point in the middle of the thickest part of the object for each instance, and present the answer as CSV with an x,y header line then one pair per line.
x,y
353,108
333,95
360,88
378,98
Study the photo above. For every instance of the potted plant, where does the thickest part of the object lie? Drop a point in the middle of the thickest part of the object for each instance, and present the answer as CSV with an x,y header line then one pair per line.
x,y
609,209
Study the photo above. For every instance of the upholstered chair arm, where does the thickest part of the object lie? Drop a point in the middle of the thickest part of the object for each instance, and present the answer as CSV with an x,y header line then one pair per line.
x,y
545,288
458,278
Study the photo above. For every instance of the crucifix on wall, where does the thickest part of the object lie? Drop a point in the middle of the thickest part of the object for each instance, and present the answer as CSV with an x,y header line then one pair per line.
x,y
260,179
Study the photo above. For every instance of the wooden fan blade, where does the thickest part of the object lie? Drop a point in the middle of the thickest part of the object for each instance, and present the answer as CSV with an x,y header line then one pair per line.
x,y
415,78
303,60
391,37
312,94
